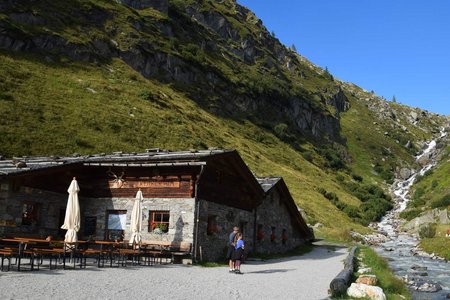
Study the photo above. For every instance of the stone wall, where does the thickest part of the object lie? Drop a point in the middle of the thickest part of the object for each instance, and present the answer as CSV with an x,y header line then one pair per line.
x,y
52,206
273,213
213,246
181,222
11,206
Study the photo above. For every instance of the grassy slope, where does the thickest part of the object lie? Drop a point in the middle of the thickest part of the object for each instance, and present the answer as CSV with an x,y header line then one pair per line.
x,y
50,111
436,184
440,244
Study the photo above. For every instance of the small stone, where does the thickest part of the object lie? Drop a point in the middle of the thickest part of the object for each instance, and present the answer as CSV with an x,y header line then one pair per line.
x,y
364,270
367,279
419,268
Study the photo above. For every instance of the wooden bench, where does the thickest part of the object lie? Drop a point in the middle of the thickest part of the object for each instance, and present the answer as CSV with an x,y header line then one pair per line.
x,y
180,251
174,252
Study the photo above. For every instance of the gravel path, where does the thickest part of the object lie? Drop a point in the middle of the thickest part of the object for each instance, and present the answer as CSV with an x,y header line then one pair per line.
x,y
300,277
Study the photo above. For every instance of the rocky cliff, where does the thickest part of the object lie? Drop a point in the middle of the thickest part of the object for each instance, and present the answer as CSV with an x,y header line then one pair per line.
x,y
231,67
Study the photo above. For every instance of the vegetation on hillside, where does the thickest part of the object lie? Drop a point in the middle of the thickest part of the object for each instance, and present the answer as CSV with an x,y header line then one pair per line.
x,y
90,96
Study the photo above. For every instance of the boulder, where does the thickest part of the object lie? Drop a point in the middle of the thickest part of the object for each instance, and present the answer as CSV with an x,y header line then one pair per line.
x,y
429,287
443,217
424,159
405,173
360,290
367,279
419,268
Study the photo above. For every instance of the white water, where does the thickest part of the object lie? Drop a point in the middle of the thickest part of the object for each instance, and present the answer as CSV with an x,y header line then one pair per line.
x,y
400,249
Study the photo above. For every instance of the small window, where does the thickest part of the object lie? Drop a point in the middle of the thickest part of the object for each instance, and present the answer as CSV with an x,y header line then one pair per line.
x,y
30,213
159,221
273,236
260,233
212,225
116,224
284,237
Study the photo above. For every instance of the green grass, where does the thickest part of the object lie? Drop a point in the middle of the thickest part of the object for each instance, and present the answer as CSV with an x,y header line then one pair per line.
x,y
393,287
50,109
436,184
440,244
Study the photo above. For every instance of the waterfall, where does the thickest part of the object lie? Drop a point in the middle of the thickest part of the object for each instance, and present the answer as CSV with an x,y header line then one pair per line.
x,y
427,276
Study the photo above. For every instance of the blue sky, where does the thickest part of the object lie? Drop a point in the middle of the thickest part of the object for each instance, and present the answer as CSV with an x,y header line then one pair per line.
x,y
393,47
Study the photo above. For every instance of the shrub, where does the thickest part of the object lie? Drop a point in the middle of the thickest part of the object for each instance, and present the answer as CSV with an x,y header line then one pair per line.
x,y
410,214
434,184
340,178
443,202
308,156
418,179
281,130
417,200
357,177
352,211
427,231
331,196
321,190
428,173
333,160
147,95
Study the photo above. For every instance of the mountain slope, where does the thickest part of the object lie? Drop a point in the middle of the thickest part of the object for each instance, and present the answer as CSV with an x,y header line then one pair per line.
x,y
91,76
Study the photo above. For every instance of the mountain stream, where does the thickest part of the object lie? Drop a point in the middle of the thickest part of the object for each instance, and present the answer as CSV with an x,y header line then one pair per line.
x,y
427,276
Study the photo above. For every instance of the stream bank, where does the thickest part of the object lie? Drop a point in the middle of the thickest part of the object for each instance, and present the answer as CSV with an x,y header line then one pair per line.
x,y
427,276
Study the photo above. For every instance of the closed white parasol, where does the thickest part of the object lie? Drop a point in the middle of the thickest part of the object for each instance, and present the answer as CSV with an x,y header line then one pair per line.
x,y
136,220
72,218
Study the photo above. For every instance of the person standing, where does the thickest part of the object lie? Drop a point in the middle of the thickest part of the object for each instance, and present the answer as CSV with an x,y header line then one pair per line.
x,y
238,253
230,250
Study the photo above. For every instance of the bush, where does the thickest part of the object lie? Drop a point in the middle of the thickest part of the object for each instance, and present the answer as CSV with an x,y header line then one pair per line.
x,y
333,159
321,190
340,178
147,95
331,196
308,156
417,200
281,130
434,184
427,231
418,179
352,211
410,214
428,173
443,202
357,177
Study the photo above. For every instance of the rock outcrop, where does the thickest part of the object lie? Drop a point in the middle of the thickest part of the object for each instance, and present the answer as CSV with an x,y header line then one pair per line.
x,y
216,34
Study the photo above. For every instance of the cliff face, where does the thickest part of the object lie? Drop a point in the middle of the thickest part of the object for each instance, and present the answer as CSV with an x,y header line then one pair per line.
x,y
231,66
